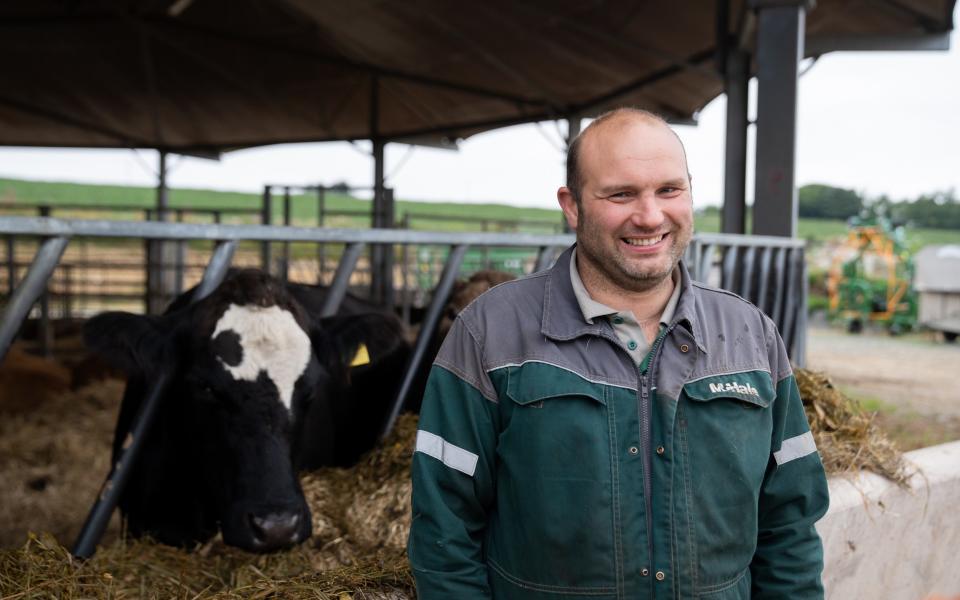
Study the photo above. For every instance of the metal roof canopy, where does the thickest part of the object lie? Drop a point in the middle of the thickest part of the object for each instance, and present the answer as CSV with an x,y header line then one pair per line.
x,y
204,76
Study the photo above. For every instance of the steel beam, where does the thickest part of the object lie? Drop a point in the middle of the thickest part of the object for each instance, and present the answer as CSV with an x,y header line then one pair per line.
x,y
321,248
102,228
728,276
733,215
574,123
216,269
786,321
284,273
798,350
266,218
113,486
429,325
821,44
161,279
780,31
341,279
377,271
30,289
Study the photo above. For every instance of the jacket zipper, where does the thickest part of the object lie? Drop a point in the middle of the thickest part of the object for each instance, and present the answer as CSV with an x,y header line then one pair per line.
x,y
645,443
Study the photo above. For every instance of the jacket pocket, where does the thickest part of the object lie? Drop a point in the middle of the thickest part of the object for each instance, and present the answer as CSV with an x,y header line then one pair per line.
x,y
557,425
533,383
553,482
727,425
753,388
737,588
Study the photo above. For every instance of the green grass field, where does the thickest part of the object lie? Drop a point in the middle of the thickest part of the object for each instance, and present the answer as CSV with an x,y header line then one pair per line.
x,y
19,195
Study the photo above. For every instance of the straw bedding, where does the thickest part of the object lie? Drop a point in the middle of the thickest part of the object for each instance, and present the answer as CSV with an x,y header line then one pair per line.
x,y
54,455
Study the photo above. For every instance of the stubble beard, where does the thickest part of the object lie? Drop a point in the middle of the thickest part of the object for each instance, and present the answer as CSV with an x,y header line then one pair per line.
x,y
617,269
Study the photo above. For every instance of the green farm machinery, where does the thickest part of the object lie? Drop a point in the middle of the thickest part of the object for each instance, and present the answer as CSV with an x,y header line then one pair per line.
x,y
870,279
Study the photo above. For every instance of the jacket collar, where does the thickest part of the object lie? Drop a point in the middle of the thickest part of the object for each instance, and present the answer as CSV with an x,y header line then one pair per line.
x,y
563,319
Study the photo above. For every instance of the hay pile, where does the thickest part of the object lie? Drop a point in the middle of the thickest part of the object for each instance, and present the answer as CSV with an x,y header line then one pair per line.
x,y
847,436
142,569
361,517
54,448
366,507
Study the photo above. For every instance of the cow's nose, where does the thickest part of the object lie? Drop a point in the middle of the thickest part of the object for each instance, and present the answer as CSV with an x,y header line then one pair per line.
x,y
275,530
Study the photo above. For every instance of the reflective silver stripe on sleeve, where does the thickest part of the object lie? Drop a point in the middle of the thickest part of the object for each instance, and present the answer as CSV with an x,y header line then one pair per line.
x,y
450,455
795,447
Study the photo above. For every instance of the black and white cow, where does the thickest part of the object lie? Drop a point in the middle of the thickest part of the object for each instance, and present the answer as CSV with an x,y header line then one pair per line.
x,y
259,389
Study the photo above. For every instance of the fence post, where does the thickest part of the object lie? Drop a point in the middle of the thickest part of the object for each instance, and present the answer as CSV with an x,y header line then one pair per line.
x,y
67,291
285,267
381,255
180,256
11,265
46,330
405,273
266,217
321,247
485,227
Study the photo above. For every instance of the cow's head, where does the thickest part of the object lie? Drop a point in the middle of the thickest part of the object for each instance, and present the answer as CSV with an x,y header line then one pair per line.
x,y
249,371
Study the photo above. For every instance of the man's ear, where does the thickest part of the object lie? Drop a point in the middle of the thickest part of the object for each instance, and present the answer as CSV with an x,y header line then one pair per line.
x,y
569,206
132,343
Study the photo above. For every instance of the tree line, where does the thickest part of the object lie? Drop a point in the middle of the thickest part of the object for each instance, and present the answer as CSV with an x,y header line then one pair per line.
x,y
937,210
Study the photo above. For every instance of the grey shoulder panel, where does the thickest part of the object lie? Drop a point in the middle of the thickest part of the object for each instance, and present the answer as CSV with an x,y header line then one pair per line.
x,y
507,323
737,336
463,356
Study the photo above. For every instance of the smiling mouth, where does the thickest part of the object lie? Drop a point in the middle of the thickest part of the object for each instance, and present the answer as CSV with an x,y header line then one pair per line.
x,y
644,241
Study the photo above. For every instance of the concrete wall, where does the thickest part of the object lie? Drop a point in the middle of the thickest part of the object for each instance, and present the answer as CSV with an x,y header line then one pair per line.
x,y
882,541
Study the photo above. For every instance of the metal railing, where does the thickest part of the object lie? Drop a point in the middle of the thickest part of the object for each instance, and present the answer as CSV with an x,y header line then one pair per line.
x,y
154,273
768,270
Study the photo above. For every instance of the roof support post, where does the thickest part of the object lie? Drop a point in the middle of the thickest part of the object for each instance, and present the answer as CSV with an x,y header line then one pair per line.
x,y
574,122
736,80
161,254
381,255
780,31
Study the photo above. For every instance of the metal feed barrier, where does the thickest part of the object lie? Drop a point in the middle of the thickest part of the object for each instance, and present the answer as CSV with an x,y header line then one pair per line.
x,y
83,284
768,270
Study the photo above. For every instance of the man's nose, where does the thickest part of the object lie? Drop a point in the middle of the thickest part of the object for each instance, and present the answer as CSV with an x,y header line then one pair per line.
x,y
646,213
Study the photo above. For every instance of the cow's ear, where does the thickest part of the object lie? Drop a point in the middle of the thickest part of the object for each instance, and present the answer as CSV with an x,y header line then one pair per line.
x,y
355,340
127,341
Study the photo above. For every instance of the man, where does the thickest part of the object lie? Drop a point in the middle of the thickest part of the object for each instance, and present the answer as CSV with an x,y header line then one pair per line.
x,y
608,428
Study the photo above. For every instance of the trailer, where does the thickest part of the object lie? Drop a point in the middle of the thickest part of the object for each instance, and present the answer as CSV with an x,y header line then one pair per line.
x,y
937,281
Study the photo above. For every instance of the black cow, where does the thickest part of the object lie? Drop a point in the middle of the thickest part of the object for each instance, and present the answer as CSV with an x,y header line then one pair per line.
x,y
259,389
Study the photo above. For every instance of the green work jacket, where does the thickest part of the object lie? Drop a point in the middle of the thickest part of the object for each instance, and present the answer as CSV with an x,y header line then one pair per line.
x,y
549,465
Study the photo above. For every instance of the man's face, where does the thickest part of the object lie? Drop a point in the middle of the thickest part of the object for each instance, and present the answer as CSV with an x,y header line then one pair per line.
x,y
635,217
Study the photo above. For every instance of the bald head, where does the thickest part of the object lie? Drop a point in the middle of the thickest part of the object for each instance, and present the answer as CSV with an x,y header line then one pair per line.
x,y
616,119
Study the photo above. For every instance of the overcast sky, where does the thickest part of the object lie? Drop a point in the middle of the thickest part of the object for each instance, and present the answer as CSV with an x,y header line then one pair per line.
x,y
880,123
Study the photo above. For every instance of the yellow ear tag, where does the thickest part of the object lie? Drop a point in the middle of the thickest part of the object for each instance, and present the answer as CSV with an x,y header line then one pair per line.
x,y
362,357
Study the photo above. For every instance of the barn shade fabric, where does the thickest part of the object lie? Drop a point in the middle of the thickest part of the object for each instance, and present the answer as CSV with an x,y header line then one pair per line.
x,y
212,75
